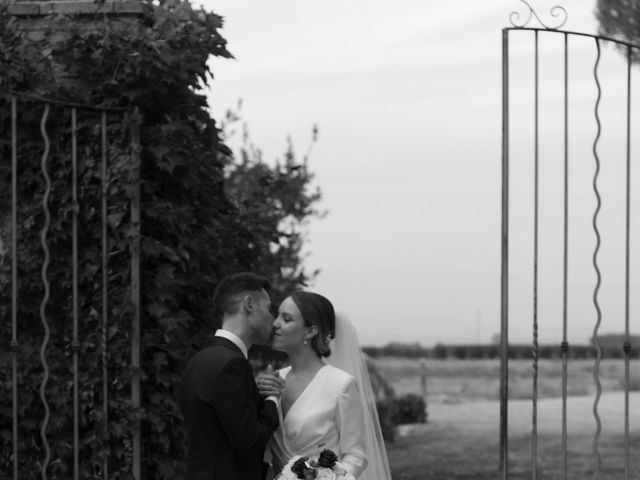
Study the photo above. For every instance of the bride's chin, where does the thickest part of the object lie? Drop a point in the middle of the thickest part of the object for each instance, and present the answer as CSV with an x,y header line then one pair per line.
x,y
274,346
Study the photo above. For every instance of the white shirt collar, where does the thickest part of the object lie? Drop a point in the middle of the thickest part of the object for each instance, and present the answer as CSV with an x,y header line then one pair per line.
x,y
233,338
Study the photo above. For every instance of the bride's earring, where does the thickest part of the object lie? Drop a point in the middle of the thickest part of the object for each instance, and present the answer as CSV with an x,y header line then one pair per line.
x,y
305,340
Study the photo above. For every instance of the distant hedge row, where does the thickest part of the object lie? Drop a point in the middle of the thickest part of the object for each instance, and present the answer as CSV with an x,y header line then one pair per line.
x,y
610,347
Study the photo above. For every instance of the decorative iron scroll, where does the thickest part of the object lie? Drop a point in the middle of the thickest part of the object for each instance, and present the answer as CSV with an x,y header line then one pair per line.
x,y
557,12
45,297
596,303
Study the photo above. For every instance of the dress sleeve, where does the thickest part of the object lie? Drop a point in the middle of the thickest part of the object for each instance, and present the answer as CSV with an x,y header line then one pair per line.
x,y
350,423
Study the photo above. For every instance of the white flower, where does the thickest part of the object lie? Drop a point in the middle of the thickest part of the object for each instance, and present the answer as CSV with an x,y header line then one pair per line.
x,y
325,474
342,473
287,473
338,472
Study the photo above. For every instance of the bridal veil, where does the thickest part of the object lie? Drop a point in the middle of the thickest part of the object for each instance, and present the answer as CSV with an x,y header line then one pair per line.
x,y
347,355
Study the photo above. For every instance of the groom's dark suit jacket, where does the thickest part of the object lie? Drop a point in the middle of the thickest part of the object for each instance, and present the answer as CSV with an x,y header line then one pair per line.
x,y
227,422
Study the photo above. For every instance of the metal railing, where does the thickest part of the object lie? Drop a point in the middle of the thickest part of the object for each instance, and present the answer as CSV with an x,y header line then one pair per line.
x,y
98,118
519,27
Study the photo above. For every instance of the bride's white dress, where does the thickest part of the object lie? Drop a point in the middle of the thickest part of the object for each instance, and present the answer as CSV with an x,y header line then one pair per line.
x,y
328,414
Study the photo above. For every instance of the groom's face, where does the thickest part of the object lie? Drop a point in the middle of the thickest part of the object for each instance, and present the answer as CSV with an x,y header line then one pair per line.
x,y
263,319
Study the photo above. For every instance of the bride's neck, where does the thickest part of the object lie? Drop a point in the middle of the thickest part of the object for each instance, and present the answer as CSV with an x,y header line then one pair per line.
x,y
305,361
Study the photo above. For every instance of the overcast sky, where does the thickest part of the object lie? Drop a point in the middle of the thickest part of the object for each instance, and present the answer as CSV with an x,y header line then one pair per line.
x,y
407,98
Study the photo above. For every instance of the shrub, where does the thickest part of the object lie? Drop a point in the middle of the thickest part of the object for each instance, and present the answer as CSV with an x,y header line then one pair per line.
x,y
386,413
410,408
439,351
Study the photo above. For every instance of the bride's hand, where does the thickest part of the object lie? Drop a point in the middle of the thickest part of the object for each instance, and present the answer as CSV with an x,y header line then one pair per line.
x,y
270,384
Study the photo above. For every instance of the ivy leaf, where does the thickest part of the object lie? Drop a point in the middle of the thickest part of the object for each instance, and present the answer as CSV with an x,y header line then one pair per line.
x,y
115,219
160,360
157,310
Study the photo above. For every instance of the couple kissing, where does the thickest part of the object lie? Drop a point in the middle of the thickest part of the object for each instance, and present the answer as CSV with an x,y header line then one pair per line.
x,y
315,418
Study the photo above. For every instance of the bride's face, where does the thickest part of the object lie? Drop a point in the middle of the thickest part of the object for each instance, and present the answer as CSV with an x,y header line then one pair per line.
x,y
289,329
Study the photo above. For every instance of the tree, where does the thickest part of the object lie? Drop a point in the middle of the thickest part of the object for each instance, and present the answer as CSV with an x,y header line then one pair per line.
x,y
620,19
276,202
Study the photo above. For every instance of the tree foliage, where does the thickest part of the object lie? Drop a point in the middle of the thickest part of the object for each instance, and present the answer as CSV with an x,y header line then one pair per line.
x,y
620,19
275,200
194,230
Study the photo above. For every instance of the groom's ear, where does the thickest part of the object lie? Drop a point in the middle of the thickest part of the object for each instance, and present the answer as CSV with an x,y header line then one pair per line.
x,y
247,303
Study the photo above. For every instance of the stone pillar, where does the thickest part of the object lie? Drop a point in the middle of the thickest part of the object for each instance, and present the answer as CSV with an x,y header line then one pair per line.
x,y
34,18
38,9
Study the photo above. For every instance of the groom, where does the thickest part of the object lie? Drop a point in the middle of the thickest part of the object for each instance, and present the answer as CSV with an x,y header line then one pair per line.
x,y
227,422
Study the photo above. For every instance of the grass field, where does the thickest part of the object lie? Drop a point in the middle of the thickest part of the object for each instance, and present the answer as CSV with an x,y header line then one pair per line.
x,y
461,437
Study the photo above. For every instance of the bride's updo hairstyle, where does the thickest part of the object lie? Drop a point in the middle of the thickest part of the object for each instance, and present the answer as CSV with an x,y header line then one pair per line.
x,y
317,311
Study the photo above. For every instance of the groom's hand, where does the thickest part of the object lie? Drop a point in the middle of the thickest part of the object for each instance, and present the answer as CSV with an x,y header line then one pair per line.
x,y
270,384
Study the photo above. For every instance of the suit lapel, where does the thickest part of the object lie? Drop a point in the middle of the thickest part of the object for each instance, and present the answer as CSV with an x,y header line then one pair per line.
x,y
226,343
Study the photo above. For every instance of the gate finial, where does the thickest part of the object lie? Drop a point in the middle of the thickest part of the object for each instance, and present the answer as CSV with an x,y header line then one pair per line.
x,y
557,12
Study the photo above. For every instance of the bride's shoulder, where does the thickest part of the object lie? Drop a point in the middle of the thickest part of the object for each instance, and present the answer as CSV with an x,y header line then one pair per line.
x,y
339,377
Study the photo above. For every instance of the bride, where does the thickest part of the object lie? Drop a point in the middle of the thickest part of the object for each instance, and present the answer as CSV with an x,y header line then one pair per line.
x,y
327,402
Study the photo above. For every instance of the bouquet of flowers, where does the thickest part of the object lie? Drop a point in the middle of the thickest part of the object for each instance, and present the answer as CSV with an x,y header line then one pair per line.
x,y
325,467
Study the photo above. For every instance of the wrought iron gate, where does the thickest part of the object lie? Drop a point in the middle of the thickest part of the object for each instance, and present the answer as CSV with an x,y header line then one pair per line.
x,y
91,182
569,170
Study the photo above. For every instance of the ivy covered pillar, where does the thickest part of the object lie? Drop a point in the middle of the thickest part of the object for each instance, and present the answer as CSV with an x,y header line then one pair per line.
x,y
35,19
70,83
146,67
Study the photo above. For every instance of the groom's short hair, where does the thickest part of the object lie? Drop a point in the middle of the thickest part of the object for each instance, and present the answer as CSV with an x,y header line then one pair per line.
x,y
229,292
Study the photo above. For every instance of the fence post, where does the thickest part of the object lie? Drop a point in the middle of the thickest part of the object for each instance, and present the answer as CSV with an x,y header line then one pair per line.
x,y
135,293
423,378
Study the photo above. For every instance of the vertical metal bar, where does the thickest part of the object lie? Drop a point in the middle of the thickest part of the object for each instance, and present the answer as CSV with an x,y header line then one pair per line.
x,y
596,367
45,297
105,278
627,340
564,347
135,292
534,397
504,269
75,344
14,277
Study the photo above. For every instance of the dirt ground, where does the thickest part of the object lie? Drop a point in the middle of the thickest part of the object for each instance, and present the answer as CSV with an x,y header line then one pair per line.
x,y
461,440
